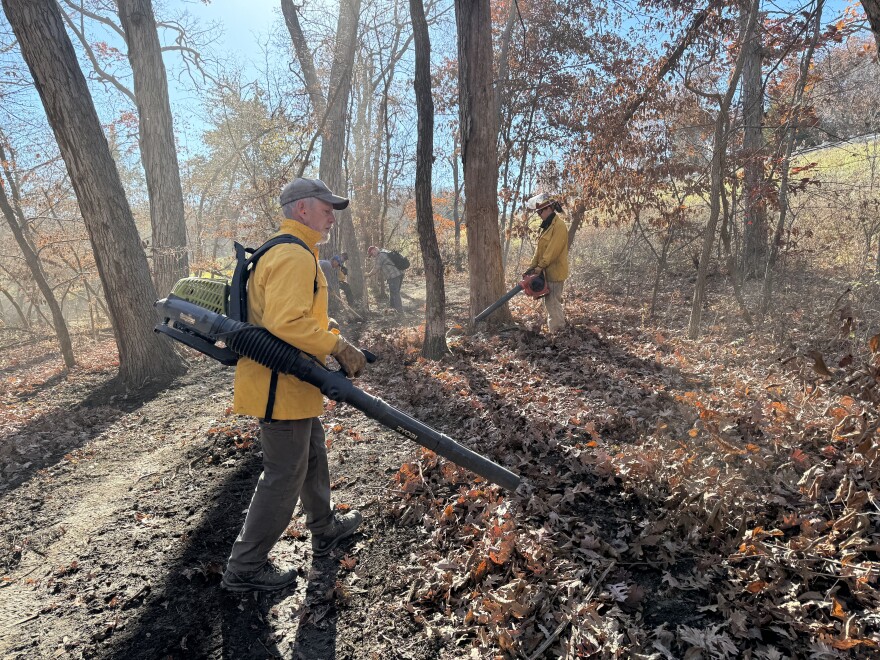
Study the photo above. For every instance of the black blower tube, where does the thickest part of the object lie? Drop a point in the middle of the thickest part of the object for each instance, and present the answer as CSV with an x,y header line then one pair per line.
x,y
495,305
266,349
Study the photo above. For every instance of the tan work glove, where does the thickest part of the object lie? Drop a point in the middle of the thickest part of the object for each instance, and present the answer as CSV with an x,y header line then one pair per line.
x,y
349,358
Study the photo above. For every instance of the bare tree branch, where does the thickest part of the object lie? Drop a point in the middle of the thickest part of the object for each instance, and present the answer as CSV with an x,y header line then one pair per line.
x,y
304,56
102,74
96,17
668,63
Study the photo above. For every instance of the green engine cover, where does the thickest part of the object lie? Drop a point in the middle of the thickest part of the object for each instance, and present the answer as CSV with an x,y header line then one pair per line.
x,y
204,292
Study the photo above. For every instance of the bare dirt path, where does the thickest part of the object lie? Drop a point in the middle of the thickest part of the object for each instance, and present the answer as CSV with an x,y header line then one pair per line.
x,y
116,549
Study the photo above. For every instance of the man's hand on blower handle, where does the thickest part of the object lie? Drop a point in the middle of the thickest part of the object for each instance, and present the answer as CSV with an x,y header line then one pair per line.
x,y
350,358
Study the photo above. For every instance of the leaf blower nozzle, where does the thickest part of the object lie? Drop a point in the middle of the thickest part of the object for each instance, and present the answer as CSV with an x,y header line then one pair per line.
x,y
202,329
534,286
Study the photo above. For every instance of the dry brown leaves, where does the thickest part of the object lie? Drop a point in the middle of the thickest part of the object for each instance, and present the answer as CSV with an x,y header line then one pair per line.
x,y
682,499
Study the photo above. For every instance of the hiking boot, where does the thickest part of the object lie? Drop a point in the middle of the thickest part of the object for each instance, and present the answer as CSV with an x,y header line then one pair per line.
x,y
267,578
343,526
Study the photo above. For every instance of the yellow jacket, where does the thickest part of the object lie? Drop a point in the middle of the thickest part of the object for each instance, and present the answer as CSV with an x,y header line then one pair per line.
x,y
551,255
282,299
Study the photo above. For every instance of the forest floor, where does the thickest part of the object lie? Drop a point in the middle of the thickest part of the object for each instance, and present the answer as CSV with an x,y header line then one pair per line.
x,y
682,499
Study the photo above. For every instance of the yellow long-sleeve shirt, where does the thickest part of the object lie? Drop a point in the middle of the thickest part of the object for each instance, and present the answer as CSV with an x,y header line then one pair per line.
x,y
551,254
283,299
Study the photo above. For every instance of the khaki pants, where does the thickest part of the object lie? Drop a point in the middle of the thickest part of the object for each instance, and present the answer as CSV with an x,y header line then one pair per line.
x,y
294,467
553,306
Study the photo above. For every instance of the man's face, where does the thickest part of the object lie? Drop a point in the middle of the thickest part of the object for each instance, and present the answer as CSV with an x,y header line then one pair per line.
x,y
545,212
317,215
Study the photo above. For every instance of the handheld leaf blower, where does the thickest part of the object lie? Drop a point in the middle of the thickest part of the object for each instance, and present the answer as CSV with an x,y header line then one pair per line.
x,y
203,329
532,284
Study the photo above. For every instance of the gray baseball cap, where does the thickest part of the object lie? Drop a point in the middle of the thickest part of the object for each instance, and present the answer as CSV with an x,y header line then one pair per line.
x,y
301,188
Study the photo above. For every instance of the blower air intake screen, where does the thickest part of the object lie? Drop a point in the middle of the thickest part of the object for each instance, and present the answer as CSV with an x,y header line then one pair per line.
x,y
210,294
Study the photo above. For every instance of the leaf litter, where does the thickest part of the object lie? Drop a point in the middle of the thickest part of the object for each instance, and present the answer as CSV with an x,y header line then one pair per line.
x,y
682,499
711,499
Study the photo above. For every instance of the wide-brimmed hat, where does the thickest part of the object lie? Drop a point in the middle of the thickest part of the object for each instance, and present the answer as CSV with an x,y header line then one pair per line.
x,y
302,188
540,201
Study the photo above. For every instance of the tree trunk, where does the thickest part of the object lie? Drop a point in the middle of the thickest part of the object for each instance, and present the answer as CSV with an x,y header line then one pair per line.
x,y
334,126
456,200
501,93
755,216
156,139
119,257
435,311
333,137
732,270
25,322
717,164
11,210
658,272
717,178
872,9
791,129
305,58
479,154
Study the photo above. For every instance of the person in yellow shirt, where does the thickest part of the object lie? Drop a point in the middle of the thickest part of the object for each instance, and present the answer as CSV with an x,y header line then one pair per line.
x,y
287,295
551,256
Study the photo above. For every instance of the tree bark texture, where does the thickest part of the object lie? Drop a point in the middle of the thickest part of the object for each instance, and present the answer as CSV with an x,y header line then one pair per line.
x,y
331,113
119,257
755,208
434,346
872,9
11,209
479,155
156,138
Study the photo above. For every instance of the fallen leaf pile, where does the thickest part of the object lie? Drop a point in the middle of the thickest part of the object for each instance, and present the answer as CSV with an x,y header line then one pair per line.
x,y
681,499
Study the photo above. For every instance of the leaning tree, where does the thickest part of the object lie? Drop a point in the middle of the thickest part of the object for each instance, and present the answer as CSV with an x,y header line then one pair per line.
x,y
156,138
119,255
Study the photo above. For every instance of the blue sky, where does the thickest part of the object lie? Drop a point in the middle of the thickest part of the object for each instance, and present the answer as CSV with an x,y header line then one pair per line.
x,y
245,23
243,29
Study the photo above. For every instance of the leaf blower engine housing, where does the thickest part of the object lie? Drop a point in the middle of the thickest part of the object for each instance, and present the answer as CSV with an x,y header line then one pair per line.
x,y
534,285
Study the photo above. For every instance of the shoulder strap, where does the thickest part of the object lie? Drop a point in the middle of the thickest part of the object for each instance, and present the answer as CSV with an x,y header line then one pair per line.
x,y
244,267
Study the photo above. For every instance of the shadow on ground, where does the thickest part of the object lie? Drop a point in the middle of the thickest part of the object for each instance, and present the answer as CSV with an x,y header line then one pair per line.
x,y
188,615
70,425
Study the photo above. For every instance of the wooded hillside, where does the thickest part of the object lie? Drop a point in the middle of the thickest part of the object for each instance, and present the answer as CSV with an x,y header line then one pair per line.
x,y
699,444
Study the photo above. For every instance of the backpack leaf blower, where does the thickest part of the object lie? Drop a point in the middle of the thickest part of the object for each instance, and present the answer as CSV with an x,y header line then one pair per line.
x,y
532,284
203,329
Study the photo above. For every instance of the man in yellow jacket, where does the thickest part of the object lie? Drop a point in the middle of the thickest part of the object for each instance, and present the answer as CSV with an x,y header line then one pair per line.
x,y
287,295
551,256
